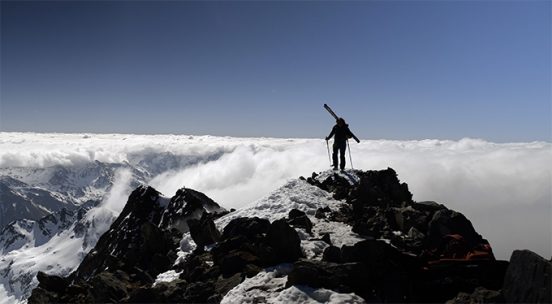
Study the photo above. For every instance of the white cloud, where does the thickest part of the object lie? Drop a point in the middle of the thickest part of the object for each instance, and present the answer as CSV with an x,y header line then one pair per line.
x,y
503,188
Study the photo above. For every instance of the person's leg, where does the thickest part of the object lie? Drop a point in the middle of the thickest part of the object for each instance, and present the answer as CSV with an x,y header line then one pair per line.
x,y
334,155
342,155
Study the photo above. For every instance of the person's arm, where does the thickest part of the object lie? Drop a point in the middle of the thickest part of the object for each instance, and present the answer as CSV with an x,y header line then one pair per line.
x,y
331,134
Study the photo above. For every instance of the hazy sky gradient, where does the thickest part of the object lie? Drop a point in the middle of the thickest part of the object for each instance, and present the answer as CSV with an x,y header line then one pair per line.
x,y
395,69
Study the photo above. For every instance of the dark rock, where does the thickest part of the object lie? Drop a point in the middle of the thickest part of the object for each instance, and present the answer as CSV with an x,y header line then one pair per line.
x,y
408,217
373,225
188,204
319,274
528,278
223,286
107,288
429,206
448,222
326,239
235,262
251,270
332,254
381,188
337,184
298,218
52,282
133,239
203,231
199,292
321,212
251,228
442,280
285,241
479,295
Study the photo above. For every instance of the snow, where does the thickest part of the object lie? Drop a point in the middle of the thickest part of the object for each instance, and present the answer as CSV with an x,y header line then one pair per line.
x,y
167,276
269,286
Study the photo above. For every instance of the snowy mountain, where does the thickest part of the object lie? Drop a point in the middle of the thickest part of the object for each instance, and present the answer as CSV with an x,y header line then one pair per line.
x,y
334,237
32,193
45,212
26,233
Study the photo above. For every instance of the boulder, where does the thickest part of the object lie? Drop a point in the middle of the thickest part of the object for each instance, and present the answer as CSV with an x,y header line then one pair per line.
x,y
332,254
298,218
285,241
381,188
52,282
448,222
251,228
528,278
320,274
203,231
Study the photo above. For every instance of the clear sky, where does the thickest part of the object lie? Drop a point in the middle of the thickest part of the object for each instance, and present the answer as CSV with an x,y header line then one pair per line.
x,y
393,69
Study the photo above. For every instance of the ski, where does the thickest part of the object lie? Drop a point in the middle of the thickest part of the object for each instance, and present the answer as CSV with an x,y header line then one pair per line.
x,y
327,107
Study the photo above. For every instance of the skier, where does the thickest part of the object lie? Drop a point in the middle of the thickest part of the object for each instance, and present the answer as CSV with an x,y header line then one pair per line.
x,y
342,133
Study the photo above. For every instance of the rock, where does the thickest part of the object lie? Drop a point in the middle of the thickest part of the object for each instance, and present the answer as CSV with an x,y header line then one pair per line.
x,y
326,238
332,254
381,188
298,218
223,286
252,228
429,206
320,274
52,282
188,204
408,217
528,278
236,261
107,288
199,292
479,295
442,280
448,222
203,231
321,212
285,241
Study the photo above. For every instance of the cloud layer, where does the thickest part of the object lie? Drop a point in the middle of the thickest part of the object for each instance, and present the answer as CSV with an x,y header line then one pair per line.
x,y
503,188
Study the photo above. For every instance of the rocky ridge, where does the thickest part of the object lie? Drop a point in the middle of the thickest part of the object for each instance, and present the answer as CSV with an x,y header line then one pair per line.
x,y
355,236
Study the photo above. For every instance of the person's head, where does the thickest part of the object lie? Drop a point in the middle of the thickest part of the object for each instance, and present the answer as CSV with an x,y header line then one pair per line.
x,y
340,122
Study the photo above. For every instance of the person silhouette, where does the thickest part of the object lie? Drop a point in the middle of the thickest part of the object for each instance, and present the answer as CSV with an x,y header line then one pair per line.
x,y
341,133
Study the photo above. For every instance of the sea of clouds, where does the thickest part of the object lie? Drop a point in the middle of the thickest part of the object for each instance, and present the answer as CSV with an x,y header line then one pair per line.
x,y
503,188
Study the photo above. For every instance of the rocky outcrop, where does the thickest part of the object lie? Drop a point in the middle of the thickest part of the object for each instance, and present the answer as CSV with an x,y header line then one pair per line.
x,y
409,251
127,258
188,204
528,279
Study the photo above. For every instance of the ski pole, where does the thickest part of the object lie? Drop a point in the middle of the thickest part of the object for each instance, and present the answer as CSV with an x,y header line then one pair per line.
x,y
350,157
329,158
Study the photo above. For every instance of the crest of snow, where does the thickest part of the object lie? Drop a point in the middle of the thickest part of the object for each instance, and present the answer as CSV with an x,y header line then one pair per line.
x,y
167,276
295,194
268,286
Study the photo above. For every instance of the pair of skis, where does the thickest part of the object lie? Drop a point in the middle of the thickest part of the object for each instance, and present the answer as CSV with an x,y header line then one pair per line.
x,y
335,116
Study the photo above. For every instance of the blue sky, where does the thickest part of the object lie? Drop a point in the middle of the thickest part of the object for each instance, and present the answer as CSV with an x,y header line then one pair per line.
x,y
393,69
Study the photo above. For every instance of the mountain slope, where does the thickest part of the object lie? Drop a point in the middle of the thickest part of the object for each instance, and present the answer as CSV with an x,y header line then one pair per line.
x,y
32,193
353,236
